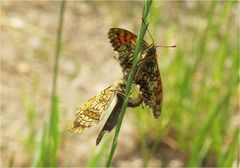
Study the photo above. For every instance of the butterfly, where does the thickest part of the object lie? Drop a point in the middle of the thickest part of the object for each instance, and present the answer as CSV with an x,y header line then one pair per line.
x,y
148,75
94,110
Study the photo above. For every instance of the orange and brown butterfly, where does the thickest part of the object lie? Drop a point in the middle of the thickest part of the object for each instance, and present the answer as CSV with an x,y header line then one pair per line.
x,y
93,111
148,75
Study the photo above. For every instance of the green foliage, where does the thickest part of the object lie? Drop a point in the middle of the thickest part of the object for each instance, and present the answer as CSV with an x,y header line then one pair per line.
x,y
46,155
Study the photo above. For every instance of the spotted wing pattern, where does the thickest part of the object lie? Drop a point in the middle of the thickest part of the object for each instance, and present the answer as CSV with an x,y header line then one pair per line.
x,y
149,79
123,41
148,75
94,109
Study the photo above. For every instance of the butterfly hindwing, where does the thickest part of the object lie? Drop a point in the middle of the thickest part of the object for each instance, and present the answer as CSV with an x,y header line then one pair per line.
x,y
149,79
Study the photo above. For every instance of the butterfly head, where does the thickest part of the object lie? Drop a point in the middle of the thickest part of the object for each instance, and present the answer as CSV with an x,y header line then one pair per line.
x,y
151,51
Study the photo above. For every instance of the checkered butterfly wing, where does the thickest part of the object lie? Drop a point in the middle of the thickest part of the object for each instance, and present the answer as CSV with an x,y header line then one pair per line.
x,y
123,41
93,110
149,79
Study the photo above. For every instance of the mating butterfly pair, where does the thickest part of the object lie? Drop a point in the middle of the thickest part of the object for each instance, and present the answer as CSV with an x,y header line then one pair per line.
x,y
147,77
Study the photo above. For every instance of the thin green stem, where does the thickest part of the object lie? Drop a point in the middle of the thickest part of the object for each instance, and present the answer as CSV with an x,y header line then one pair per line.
x,y
57,52
146,8
53,125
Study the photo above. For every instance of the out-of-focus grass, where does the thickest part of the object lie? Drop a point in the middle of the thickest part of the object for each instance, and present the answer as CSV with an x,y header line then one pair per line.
x,y
46,155
228,157
28,98
29,103
97,158
200,96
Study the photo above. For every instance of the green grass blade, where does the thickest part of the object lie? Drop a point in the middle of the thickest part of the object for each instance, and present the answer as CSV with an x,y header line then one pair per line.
x,y
54,129
232,153
46,154
54,107
146,8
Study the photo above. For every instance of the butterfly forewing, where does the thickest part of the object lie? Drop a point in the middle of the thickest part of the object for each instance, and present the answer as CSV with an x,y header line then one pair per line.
x,y
123,41
93,110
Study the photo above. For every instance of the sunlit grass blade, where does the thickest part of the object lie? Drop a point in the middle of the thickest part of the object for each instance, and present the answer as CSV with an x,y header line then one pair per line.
x,y
54,127
232,153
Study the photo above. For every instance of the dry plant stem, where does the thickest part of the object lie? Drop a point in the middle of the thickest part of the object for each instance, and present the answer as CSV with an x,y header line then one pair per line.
x,y
147,5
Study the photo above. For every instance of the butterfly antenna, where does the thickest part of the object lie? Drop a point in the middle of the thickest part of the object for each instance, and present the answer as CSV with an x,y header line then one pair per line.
x,y
148,30
173,46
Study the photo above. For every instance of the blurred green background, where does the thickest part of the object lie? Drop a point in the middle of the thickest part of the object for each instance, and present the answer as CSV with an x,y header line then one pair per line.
x,y
199,125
